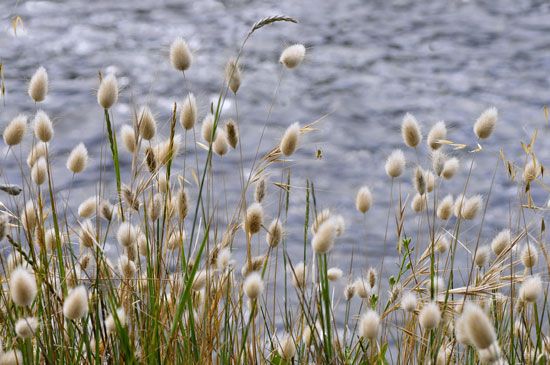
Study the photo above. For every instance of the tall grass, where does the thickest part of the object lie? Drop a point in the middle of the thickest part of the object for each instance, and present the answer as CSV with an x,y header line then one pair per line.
x,y
177,289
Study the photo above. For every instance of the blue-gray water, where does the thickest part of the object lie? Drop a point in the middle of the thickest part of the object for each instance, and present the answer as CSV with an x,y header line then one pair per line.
x,y
368,63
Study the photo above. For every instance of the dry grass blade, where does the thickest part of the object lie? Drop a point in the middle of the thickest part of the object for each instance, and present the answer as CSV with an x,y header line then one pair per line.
x,y
270,20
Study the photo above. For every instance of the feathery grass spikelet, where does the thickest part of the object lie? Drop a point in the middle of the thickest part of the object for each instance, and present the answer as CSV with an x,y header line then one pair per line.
x,y
529,256
259,191
363,200
165,150
292,56
86,234
531,171
479,328
419,180
486,122
481,256
349,291
126,267
38,86
501,242
26,327
23,287
126,234
361,288
110,323
298,275
224,259
254,265
232,132
155,205
11,357
323,239
419,203
4,220
429,316
182,203
15,131
395,164
410,131
441,245
320,219
253,285
28,216
287,348
37,151
176,240
130,197
76,303
88,207
290,139
43,128
180,55
233,75
107,94
128,137
430,181
39,171
530,289
107,210
369,325
471,207
254,218
408,302
220,145
78,159
436,134
147,125
450,168
188,114
275,233
50,239
438,161
207,128
334,274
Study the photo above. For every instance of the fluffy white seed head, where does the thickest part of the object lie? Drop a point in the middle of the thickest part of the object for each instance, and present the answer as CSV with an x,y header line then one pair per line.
x,y
369,325
501,242
76,303
445,207
107,94
199,281
290,139
349,291
334,274
29,217
410,131
15,131
436,134
110,322
220,146
299,275
38,86
529,256
362,288
419,180
207,128
126,267
274,233
408,302
188,115
429,316
180,55
441,245
147,125
224,259
26,327
128,138
11,357
232,131
39,172
530,289
126,234
23,287
395,164
37,151
481,256
287,348
419,203
486,122
471,207
438,161
43,128
88,207
479,328
363,200
253,285
292,56
78,159
450,168
254,218
86,234
233,75
323,240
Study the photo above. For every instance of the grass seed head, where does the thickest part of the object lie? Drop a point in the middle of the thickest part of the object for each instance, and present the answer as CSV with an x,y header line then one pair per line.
x,y
292,56
38,86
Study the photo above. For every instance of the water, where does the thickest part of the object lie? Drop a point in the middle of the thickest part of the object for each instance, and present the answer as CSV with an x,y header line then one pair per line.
x,y
368,63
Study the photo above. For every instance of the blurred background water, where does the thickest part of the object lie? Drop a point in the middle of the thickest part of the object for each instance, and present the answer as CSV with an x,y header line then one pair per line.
x,y
368,63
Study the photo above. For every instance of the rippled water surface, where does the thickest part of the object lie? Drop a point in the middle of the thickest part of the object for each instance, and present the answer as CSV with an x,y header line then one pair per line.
x,y
368,63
